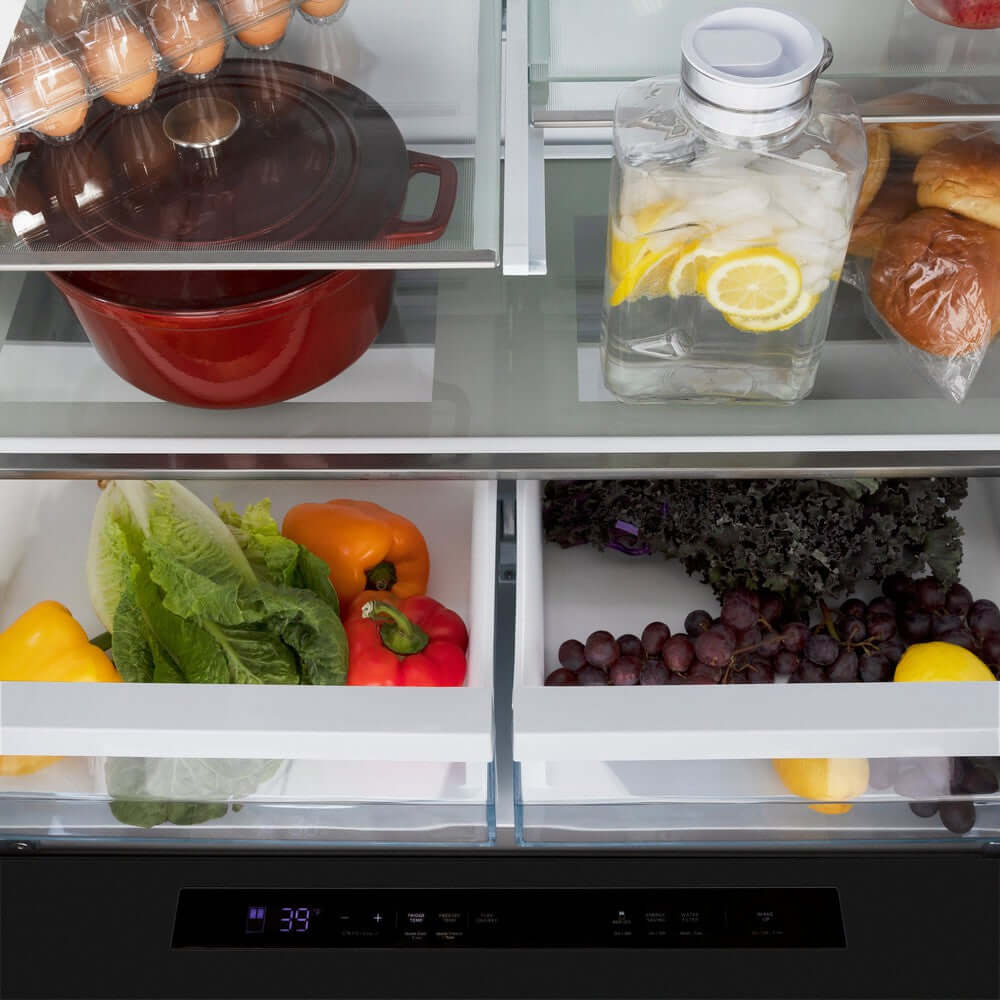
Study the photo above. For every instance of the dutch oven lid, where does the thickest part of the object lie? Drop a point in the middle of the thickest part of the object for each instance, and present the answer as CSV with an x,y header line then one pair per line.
x,y
266,154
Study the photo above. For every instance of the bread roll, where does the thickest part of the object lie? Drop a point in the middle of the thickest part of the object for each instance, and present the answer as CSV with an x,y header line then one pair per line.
x,y
915,138
895,201
936,282
962,176
878,167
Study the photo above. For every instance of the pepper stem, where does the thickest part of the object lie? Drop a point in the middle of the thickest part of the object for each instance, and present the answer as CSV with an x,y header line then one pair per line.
x,y
397,632
381,577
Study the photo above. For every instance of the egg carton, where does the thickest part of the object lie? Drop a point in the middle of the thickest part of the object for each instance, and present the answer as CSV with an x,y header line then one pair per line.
x,y
66,54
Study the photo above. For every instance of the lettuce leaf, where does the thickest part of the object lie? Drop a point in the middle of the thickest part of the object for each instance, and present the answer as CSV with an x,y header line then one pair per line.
x,y
195,596
276,559
148,791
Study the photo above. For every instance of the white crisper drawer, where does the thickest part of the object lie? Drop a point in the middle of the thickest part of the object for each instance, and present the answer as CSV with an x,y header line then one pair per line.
x,y
415,756
563,594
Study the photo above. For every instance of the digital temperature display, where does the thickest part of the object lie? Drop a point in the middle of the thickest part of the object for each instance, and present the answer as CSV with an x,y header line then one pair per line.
x,y
510,918
290,919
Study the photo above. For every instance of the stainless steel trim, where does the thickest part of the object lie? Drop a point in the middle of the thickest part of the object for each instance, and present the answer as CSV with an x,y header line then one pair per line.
x,y
15,258
483,465
961,113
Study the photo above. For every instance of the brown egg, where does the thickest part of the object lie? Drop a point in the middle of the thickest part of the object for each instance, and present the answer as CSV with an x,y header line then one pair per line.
x,y
262,33
189,34
322,8
8,142
64,16
119,59
43,78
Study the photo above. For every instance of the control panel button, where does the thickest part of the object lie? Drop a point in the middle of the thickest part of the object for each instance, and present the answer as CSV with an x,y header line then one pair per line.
x,y
415,926
623,925
695,921
657,925
450,926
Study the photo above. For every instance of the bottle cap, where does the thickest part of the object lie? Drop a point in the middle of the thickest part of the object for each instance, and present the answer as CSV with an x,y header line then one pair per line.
x,y
753,59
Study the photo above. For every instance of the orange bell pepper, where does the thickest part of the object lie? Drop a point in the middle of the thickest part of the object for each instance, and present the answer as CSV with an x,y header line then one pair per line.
x,y
367,547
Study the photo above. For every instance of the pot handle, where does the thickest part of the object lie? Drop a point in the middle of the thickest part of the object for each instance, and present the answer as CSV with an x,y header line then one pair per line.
x,y
432,228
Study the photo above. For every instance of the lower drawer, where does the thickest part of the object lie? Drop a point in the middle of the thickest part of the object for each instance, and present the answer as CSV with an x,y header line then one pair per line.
x,y
691,765
233,763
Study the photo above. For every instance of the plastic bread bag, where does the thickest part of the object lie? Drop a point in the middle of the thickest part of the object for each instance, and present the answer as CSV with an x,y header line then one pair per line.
x,y
925,243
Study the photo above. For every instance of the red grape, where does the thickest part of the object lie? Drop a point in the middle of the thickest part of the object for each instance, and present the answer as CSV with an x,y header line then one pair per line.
x,y
881,627
749,638
772,608
923,809
601,649
882,606
703,673
714,647
625,671
983,618
786,663
812,673
958,600
737,611
760,671
794,637
897,586
563,677
916,625
945,623
678,653
991,649
654,635
893,651
697,622
929,593
822,649
572,655
958,816
654,673
959,637
979,780
723,629
854,607
591,676
630,645
875,668
770,645
845,667
851,630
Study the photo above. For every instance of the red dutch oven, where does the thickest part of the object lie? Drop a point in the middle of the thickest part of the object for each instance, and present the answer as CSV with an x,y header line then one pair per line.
x,y
267,155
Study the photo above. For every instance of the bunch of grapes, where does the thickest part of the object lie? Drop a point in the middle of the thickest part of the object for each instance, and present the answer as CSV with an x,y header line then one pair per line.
x,y
757,640
925,781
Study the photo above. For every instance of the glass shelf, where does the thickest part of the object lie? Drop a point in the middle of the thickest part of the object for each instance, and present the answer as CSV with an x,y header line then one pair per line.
x,y
580,55
479,374
437,77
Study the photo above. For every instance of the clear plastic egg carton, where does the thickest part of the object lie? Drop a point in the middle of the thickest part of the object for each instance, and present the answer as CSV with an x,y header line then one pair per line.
x,y
66,54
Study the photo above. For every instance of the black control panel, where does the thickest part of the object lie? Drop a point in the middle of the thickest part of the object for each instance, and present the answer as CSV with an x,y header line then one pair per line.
x,y
510,918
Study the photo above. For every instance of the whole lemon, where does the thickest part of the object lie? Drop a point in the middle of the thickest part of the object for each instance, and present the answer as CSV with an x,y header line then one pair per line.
x,y
941,661
824,778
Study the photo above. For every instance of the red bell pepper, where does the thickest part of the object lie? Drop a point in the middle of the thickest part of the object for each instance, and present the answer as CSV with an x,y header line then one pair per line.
x,y
420,643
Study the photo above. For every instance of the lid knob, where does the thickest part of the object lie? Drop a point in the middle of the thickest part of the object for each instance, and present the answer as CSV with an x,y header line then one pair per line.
x,y
753,59
202,123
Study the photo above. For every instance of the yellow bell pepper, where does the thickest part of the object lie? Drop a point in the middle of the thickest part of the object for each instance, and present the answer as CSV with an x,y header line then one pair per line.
x,y
48,644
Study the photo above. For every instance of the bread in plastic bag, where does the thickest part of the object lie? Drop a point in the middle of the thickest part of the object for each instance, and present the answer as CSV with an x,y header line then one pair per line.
x,y
925,254
934,285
